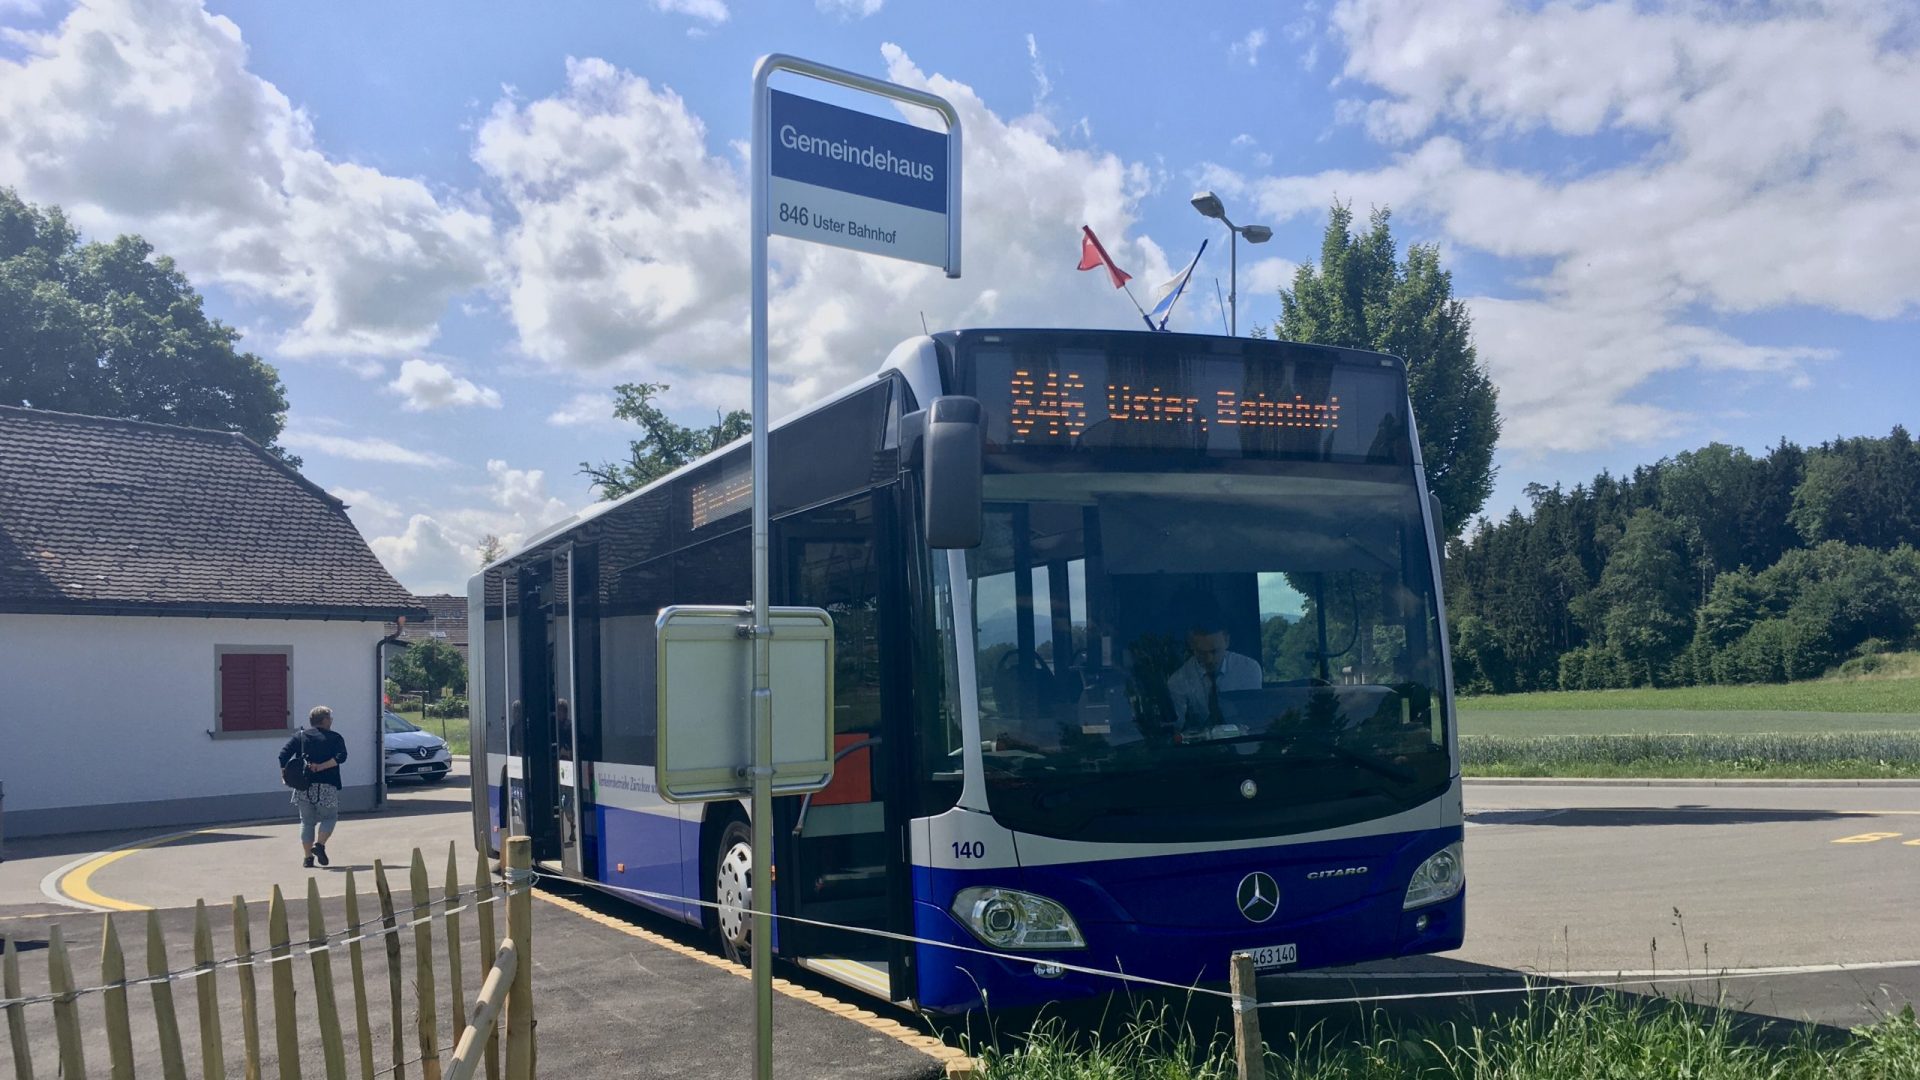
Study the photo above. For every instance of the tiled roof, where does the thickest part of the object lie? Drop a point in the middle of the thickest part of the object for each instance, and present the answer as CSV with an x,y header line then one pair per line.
x,y
446,620
117,515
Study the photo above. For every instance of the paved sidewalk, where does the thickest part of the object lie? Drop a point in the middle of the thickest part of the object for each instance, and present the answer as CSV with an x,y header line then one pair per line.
x,y
618,994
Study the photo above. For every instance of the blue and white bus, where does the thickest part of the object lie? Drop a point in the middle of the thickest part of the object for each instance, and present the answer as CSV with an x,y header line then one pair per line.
x,y
1189,694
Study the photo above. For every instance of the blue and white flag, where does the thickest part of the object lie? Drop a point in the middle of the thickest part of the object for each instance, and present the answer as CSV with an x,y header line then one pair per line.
x,y
1169,294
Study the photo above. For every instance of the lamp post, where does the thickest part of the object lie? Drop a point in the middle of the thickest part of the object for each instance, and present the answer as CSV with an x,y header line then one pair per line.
x,y
1209,205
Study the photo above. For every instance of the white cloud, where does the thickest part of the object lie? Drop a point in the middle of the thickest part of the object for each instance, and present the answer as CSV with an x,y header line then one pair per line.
x,y
141,116
1042,86
1772,163
439,549
368,510
629,250
713,11
427,557
583,409
425,385
1248,48
850,9
359,448
1244,140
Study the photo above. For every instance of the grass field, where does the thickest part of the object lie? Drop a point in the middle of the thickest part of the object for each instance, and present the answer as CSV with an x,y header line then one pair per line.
x,y
1859,727
1550,1036
453,728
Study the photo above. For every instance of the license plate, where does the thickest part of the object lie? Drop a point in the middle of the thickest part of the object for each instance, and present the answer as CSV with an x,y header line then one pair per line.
x,y
1273,956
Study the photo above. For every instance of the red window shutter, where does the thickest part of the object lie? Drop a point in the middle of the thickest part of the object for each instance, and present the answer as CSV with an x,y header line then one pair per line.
x,y
236,692
270,691
253,691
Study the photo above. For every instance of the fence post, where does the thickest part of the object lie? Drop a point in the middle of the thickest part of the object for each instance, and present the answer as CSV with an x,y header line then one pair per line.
x,y
520,1047
456,993
173,1061
286,1022
213,1059
332,1049
113,1002
1250,1053
357,964
16,1020
486,1008
423,969
394,997
483,902
249,1004
66,1013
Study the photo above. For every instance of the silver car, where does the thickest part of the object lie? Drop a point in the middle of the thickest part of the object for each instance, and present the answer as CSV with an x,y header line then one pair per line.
x,y
415,754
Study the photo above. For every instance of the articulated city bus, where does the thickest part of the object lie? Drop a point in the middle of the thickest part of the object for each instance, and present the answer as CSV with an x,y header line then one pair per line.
x,y
1188,695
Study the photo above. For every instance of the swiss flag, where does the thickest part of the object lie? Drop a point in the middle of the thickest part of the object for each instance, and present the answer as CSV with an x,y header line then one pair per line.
x,y
1092,255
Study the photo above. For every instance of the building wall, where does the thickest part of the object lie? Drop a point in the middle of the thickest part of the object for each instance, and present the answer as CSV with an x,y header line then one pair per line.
x,y
105,721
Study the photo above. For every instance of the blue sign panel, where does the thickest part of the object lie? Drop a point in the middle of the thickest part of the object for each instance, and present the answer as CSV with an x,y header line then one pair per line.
x,y
856,180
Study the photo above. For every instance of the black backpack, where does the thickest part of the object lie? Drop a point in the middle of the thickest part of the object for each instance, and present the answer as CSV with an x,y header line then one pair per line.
x,y
294,773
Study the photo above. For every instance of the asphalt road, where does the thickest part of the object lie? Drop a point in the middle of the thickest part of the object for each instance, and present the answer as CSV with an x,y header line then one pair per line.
x,y
1573,882
1585,882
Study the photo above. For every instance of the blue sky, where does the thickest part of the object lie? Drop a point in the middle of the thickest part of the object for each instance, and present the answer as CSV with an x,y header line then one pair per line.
x,y
453,227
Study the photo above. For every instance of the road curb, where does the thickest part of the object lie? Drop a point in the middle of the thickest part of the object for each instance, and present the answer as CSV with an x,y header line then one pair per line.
x,y
1628,781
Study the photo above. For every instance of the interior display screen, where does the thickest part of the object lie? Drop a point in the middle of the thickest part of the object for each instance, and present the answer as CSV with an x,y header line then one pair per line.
x,y
720,493
1131,392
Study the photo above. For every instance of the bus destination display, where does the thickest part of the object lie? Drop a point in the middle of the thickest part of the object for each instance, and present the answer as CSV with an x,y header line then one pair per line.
x,y
1049,406
1262,403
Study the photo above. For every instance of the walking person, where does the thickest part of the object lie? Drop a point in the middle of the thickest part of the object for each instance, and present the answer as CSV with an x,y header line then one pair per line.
x,y
320,751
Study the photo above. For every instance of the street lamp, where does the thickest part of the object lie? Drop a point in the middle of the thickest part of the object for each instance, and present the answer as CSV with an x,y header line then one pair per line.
x,y
1209,206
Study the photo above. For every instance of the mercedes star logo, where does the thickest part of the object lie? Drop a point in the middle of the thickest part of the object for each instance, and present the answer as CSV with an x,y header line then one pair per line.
x,y
1258,897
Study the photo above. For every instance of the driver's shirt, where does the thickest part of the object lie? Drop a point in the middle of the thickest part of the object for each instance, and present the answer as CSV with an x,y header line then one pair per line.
x,y
1188,686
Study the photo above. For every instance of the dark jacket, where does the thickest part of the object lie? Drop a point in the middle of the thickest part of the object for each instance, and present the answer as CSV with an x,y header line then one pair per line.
x,y
320,745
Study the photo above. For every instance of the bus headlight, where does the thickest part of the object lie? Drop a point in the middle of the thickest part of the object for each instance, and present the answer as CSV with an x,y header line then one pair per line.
x,y
1439,878
1009,919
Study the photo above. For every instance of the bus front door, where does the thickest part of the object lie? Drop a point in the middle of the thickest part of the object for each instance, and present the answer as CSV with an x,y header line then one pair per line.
x,y
839,851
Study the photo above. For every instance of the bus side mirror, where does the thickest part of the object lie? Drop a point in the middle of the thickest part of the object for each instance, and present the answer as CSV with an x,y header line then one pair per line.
x,y
952,442
1439,528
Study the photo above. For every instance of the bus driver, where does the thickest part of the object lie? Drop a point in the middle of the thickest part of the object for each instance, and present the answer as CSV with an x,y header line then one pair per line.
x,y
1211,670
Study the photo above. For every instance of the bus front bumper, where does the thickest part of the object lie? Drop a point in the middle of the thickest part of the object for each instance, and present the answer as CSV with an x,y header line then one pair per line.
x,y
951,980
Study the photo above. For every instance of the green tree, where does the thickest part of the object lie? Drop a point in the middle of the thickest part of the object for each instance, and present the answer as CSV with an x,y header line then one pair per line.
x,y
491,548
1861,491
663,445
1361,296
1645,596
429,667
112,329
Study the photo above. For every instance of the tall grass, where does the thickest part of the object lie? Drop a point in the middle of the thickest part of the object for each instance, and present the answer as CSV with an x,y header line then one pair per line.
x,y
1852,754
1554,1035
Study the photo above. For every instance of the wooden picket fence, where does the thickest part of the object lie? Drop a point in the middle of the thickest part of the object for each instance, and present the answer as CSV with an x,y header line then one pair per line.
x,y
506,985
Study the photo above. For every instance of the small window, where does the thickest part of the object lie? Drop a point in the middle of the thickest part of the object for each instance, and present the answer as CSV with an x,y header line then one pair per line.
x,y
252,686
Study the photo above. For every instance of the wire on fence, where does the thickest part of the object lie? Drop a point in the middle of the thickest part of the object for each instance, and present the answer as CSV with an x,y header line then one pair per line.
x,y
295,950
1533,982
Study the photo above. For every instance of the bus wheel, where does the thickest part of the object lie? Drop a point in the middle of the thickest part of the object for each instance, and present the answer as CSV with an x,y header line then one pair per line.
x,y
733,891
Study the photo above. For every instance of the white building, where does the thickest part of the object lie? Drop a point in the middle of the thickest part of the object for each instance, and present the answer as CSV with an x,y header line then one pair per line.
x,y
172,603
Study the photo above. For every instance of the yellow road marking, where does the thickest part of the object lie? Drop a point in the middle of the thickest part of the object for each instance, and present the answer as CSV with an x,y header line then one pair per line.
x,y
75,883
957,1061
1910,843
1866,837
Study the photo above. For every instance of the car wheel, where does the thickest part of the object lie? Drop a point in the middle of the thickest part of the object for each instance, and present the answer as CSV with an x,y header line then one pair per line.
x,y
733,891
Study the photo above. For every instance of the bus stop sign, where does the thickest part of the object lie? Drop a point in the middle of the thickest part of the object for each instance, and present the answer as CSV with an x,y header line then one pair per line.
x,y
855,180
706,669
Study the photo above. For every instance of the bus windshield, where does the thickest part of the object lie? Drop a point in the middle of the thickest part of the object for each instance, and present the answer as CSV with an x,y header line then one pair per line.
x,y
1206,655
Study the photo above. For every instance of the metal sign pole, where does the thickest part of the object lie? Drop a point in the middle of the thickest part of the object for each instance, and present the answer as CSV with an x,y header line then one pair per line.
x,y
760,947
761,711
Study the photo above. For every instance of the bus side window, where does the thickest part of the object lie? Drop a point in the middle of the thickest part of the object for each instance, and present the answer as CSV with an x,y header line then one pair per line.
x,y
831,562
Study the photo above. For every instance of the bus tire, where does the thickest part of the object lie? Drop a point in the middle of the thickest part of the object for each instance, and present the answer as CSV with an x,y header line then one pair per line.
x,y
730,886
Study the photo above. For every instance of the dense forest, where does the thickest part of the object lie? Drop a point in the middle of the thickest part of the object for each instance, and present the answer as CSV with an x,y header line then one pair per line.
x,y
1709,566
